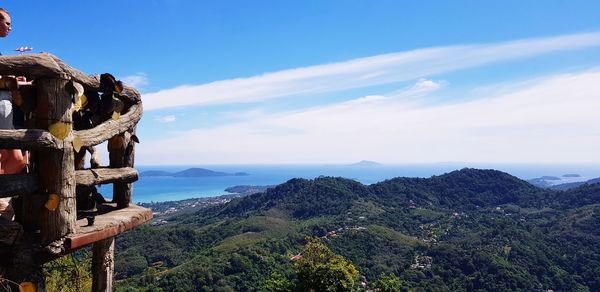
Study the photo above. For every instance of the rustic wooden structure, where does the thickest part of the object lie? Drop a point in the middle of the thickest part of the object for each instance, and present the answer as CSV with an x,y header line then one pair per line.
x,y
46,224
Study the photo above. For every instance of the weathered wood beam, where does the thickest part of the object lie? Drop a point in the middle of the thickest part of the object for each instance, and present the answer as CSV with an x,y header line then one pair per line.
x,y
96,176
23,262
110,128
28,139
18,185
49,66
103,265
116,150
56,167
38,65
10,231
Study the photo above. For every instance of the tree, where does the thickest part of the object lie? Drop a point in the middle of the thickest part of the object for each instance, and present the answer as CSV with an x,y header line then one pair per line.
x,y
320,269
278,283
388,283
69,274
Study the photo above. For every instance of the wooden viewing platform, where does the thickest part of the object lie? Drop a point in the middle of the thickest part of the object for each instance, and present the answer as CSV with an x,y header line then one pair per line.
x,y
109,222
64,113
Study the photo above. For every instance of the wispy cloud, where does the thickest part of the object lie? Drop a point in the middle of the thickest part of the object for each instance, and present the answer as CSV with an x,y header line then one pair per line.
x,y
166,119
425,85
550,119
137,80
364,72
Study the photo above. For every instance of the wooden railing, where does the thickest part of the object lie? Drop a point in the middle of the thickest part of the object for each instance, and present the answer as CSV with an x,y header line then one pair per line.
x,y
57,143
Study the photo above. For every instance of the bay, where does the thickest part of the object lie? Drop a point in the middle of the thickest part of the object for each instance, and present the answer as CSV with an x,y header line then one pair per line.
x,y
165,188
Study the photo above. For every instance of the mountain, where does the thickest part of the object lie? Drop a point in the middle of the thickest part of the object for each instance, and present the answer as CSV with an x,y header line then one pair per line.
x,y
203,172
191,172
247,190
155,173
465,230
568,186
556,183
366,163
544,181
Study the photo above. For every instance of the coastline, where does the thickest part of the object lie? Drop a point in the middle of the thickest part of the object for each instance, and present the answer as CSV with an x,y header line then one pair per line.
x,y
164,189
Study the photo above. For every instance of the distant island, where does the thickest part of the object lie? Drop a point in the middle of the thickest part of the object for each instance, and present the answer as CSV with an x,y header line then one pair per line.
x,y
555,183
191,172
568,186
365,163
247,190
544,181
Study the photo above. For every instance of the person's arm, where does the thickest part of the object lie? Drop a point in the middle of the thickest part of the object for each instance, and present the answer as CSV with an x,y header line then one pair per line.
x,y
12,161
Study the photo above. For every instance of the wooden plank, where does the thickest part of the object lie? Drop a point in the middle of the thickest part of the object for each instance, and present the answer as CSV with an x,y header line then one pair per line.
x,y
108,223
103,265
96,176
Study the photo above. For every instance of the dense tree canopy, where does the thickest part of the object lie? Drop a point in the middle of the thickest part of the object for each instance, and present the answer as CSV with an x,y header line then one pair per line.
x,y
320,269
466,230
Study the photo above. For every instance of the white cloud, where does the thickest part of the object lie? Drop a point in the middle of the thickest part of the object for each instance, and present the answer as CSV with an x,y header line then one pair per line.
x,y
138,80
421,88
368,99
425,85
364,72
552,119
166,119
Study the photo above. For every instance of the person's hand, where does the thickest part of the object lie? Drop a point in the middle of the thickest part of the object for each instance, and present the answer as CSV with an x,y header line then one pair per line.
x,y
22,80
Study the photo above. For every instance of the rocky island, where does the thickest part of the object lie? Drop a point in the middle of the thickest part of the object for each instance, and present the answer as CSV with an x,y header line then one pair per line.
x,y
191,172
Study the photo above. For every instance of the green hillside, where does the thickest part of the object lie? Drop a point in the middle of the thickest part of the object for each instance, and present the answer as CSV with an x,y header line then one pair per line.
x,y
465,230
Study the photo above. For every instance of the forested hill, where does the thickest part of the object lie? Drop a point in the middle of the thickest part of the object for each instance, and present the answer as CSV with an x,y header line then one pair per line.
x,y
466,189
466,230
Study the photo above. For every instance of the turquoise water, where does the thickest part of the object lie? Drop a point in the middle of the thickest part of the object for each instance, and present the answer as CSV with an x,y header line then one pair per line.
x,y
157,189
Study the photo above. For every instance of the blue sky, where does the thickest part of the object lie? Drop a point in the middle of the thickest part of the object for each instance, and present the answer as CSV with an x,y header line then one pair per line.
x,y
227,82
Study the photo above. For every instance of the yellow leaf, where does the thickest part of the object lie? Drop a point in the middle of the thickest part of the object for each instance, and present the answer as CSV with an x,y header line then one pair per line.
x,y
52,202
27,287
60,130
76,144
83,100
80,102
116,115
77,104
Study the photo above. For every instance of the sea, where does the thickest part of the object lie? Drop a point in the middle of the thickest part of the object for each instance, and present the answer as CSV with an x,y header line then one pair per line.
x,y
166,188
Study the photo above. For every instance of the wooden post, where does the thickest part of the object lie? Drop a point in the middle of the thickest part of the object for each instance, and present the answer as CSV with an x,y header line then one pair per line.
x,y
23,263
121,154
56,168
80,159
103,264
